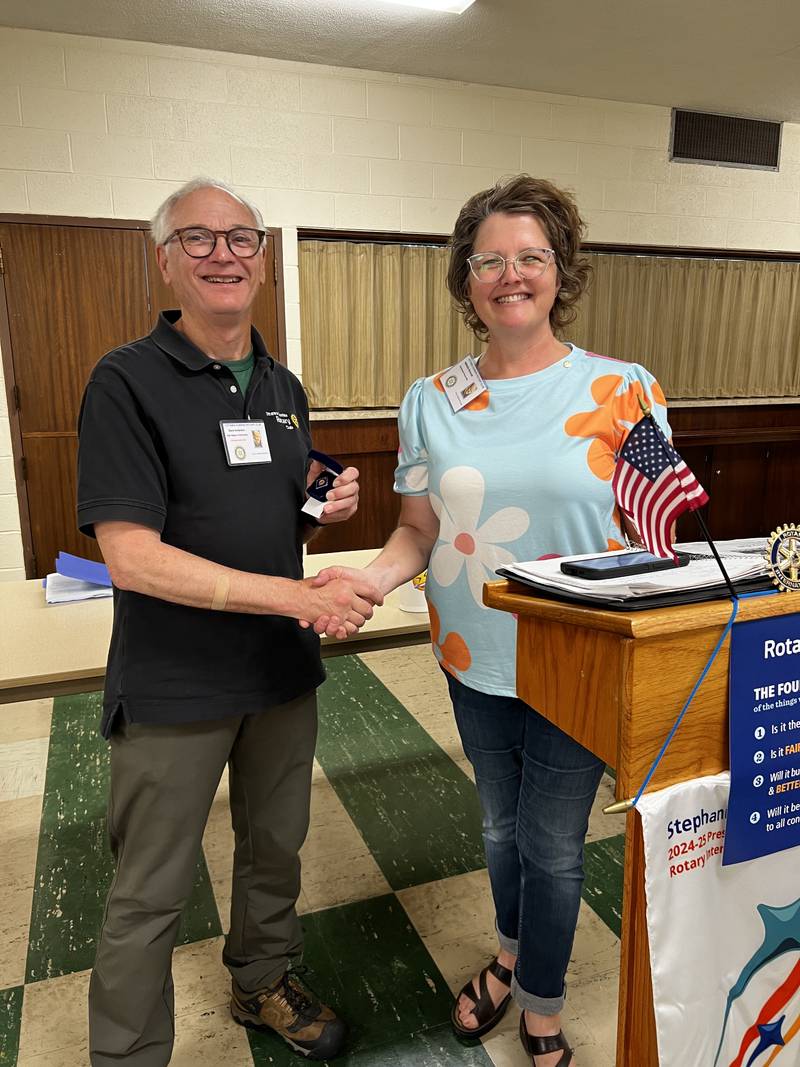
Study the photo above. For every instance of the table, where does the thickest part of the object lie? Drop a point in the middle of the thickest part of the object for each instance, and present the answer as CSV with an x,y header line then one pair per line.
x,y
51,650
615,681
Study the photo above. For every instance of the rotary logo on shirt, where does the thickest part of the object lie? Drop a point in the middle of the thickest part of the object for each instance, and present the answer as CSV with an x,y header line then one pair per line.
x,y
287,421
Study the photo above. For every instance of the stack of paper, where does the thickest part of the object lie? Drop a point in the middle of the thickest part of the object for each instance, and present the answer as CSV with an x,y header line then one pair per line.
x,y
76,579
743,558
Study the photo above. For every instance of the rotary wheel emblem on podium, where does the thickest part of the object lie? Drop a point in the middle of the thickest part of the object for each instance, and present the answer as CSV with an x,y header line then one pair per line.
x,y
783,558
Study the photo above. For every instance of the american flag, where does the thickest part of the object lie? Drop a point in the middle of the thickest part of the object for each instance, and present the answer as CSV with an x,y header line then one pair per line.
x,y
653,485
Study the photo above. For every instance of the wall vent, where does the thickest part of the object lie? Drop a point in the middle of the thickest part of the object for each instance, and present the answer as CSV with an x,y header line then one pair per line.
x,y
698,137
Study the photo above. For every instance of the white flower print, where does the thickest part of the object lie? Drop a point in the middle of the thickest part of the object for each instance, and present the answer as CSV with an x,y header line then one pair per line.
x,y
415,475
462,543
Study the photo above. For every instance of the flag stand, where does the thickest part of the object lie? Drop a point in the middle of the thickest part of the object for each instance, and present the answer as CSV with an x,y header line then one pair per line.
x,y
713,547
648,416
695,498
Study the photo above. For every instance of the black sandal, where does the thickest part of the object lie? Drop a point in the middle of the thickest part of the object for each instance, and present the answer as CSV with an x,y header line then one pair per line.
x,y
486,1014
540,1046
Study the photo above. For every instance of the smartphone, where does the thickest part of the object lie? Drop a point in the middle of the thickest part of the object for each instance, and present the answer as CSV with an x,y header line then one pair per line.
x,y
622,565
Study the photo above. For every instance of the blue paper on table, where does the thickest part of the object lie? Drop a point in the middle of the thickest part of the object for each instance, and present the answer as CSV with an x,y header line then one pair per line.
x,y
86,570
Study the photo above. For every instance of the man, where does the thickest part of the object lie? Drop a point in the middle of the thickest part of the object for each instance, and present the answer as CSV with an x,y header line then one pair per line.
x,y
192,469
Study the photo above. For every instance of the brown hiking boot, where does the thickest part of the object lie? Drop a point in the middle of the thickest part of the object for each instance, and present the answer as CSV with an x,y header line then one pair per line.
x,y
291,1009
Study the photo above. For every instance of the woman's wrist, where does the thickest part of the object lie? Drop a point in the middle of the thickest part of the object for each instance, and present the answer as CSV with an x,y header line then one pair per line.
x,y
381,576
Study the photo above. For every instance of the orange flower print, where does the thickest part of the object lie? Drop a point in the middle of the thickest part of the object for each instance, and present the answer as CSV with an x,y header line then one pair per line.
x,y
452,653
478,404
609,424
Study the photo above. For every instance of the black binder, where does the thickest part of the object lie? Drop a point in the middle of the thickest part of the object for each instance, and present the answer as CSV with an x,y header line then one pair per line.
x,y
759,584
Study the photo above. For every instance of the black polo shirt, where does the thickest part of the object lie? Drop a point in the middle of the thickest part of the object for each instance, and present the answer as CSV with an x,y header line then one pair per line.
x,y
151,452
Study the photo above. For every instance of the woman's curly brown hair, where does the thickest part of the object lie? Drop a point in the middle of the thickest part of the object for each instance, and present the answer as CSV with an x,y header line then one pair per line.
x,y
557,212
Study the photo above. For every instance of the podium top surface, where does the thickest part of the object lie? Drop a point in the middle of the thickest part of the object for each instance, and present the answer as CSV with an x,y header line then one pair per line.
x,y
514,597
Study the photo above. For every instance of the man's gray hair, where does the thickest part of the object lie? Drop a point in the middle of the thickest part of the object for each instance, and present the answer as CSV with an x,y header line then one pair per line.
x,y
161,224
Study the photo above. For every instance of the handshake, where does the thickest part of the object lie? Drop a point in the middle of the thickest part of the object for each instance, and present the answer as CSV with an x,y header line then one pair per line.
x,y
338,601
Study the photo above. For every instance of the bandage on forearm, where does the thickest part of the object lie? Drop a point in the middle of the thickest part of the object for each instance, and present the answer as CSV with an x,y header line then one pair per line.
x,y
221,590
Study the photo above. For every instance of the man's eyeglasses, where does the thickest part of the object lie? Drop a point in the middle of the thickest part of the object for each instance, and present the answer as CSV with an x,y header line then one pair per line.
x,y
199,242
491,266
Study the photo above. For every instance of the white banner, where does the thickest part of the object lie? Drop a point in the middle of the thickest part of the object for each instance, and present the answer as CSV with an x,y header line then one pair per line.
x,y
724,941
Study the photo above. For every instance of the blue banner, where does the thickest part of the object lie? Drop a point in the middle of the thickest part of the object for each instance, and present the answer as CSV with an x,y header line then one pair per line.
x,y
764,725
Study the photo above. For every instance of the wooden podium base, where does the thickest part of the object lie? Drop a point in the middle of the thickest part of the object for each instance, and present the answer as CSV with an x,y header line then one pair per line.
x,y
616,682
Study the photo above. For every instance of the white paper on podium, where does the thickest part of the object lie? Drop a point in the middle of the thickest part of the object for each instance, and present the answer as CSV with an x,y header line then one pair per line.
x,y
742,559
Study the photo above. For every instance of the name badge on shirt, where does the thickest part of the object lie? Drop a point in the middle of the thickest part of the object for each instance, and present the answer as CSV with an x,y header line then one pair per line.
x,y
245,442
462,383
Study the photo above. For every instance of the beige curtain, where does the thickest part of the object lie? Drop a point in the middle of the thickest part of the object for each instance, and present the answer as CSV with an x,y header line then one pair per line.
x,y
706,328
374,317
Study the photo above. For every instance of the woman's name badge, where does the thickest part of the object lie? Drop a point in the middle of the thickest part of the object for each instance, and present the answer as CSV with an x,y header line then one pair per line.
x,y
462,383
245,443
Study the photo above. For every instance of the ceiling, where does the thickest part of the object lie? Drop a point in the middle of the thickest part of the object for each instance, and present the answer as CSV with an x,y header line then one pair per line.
x,y
733,56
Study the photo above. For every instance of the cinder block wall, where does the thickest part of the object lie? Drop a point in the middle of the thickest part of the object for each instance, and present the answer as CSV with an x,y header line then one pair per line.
x,y
108,128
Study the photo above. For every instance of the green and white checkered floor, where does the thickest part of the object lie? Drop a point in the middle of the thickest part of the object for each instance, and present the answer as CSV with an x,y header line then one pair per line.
x,y
395,901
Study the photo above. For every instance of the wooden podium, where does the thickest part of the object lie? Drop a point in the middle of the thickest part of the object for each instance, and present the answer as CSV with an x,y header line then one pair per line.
x,y
616,682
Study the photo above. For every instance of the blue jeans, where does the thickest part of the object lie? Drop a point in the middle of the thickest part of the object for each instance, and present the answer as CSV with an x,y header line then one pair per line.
x,y
536,787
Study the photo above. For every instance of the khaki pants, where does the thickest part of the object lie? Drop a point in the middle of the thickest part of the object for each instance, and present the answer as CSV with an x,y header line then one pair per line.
x,y
163,780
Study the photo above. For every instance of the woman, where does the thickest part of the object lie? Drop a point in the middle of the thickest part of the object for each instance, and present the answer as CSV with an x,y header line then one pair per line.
x,y
521,471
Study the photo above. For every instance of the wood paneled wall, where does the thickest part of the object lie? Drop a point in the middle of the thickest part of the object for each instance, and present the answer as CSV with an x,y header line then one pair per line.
x,y
747,457
370,445
70,290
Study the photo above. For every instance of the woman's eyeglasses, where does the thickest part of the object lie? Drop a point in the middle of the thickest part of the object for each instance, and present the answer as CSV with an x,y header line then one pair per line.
x,y
491,266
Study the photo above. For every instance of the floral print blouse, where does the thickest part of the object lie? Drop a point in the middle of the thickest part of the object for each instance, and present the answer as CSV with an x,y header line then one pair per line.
x,y
522,472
